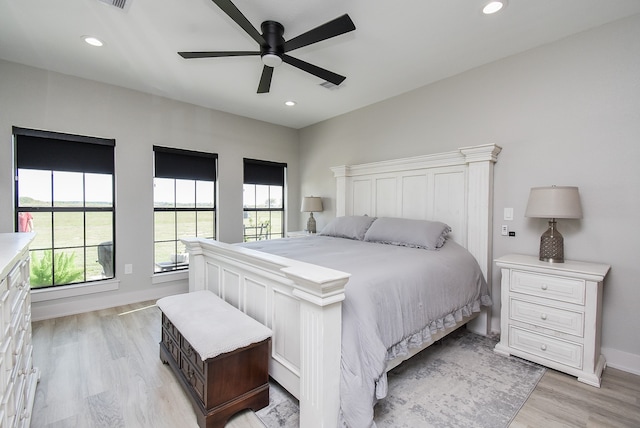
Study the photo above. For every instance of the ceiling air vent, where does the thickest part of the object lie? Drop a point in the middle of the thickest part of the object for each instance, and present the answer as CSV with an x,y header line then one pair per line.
x,y
329,85
117,3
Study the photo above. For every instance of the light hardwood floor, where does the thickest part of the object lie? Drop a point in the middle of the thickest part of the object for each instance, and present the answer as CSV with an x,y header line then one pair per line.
x,y
102,369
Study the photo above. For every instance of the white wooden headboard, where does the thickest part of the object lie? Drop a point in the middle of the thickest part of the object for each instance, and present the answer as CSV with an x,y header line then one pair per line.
x,y
453,187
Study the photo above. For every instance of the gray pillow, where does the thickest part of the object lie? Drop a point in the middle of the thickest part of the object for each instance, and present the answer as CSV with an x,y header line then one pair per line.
x,y
351,227
408,233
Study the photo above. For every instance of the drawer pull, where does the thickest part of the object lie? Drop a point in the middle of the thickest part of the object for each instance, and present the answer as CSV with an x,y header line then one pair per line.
x,y
543,347
544,286
543,316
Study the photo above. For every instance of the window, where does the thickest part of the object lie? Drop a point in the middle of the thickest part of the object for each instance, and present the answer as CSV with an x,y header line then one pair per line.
x,y
184,196
263,199
64,191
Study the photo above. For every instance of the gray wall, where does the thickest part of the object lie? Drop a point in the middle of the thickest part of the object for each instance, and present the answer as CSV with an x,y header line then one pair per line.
x,y
567,113
34,98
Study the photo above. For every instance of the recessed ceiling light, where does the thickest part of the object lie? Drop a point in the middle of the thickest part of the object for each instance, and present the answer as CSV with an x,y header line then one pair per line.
x,y
290,103
93,41
493,6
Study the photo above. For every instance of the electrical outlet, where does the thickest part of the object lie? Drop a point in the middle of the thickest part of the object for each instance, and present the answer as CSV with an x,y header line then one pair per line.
x,y
505,230
128,268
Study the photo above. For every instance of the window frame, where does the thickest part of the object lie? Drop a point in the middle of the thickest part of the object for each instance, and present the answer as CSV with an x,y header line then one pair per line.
x,y
264,173
55,152
181,164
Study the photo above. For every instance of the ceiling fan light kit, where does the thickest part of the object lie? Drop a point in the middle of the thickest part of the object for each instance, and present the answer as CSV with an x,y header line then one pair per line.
x,y
271,60
273,46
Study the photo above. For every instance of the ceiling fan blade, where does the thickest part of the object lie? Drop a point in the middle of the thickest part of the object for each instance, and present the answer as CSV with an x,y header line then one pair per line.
x,y
327,75
191,55
233,12
338,26
265,80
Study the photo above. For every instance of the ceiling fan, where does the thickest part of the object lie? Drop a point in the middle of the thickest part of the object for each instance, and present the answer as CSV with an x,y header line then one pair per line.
x,y
273,47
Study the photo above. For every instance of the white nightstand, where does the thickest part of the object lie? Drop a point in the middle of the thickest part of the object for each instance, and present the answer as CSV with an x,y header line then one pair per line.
x,y
552,314
298,234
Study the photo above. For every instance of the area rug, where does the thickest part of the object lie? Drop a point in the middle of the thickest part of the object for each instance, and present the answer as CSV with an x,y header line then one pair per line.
x,y
458,382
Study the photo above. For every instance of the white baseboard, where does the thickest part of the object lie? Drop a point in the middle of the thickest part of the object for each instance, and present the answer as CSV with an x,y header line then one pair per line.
x,y
621,360
47,310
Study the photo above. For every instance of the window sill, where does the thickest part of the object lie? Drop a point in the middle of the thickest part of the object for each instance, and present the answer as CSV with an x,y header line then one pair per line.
x,y
43,295
161,278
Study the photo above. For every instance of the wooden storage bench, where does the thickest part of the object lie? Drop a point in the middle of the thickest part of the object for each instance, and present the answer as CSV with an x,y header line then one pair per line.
x,y
219,355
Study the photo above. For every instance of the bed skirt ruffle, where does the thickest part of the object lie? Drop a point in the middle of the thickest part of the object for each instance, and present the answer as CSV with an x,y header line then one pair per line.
x,y
423,336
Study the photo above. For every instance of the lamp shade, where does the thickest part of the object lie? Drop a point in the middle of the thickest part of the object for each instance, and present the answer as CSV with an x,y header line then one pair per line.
x,y
554,202
311,204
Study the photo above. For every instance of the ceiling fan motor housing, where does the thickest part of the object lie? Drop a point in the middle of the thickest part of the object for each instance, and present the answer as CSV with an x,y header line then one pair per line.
x,y
272,32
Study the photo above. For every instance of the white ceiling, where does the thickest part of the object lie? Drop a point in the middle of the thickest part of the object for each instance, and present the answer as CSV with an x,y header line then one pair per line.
x,y
398,45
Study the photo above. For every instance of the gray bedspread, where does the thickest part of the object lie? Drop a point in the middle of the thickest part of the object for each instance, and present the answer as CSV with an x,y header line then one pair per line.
x,y
395,299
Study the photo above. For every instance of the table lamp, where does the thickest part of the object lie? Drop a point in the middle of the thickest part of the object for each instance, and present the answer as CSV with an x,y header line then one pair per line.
x,y
311,204
553,202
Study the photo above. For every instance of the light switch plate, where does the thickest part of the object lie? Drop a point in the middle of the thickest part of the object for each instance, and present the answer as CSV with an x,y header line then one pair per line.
x,y
508,213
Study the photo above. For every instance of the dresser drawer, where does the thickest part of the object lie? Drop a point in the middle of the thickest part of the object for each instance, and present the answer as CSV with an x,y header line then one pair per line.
x,y
192,376
559,351
21,414
562,320
5,311
168,326
18,347
3,375
192,356
15,278
559,288
9,402
7,361
171,345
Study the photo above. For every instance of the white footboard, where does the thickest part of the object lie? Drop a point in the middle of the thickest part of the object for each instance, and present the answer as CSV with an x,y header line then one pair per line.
x,y
300,302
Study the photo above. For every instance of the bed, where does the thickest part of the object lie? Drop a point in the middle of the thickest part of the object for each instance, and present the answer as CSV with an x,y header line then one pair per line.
x,y
302,302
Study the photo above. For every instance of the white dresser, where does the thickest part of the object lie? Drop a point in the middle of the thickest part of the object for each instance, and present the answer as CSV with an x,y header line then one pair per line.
x,y
552,314
18,377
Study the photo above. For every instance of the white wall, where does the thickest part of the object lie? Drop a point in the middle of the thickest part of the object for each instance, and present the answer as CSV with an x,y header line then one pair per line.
x,y
34,98
567,113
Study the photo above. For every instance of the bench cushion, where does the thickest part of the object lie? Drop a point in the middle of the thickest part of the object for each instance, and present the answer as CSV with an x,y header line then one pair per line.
x,y
211,325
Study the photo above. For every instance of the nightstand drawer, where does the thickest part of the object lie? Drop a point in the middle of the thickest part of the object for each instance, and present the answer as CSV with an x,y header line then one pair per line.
x,y
550,287
557,319
560,351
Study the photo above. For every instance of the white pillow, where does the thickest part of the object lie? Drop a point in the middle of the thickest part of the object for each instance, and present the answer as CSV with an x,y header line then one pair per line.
x,y
351,227
408,233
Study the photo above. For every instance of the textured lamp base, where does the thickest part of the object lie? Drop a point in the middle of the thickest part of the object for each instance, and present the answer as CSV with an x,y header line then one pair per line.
x,y
552,245
311,224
